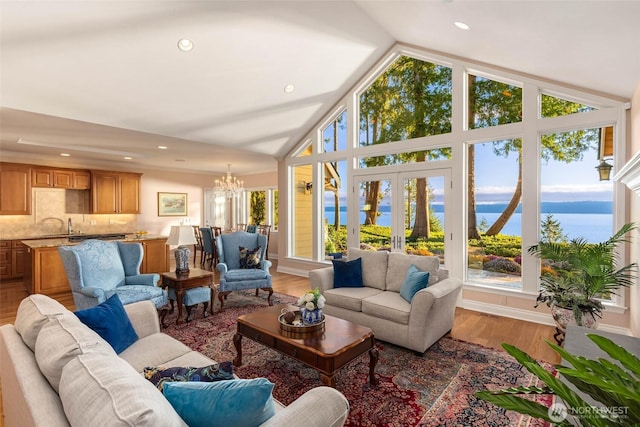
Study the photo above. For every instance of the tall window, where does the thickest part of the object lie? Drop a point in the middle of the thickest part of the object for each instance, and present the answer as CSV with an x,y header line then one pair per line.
x,y
335,207
574,202
516,154
494,213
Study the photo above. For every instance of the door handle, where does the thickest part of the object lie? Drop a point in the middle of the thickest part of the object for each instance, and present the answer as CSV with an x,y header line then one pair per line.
x,y
394,242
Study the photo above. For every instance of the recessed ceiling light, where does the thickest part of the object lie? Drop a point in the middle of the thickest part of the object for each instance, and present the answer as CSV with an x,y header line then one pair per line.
x,y
289,88
65,154
162,147
185,45
461,25
127,158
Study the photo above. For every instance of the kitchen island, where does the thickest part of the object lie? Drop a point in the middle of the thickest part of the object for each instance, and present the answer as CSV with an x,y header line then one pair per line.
x,y
45,274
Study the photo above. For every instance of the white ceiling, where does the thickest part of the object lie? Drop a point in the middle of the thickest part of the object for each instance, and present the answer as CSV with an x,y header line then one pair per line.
x,y
104,79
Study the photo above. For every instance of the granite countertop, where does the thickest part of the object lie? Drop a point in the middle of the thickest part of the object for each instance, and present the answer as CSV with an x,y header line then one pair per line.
x,y
52,242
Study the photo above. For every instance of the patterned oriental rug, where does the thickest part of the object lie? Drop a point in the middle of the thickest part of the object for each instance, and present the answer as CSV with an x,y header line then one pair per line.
x,y
434,390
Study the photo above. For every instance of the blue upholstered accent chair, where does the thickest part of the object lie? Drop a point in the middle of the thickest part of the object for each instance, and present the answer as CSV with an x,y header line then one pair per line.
x,y
97,269
234,278
208,246
191,298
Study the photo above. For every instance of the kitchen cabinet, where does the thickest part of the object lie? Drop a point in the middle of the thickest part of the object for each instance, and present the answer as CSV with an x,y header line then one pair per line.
x,y
15,189
5,259
11,259
61,178
156,256
17,259
115,192
46,274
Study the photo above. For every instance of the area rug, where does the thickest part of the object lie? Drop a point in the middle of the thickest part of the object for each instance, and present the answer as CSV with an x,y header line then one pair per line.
x,y
433,390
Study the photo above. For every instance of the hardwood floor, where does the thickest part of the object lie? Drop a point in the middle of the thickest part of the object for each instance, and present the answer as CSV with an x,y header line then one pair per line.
x,y
484,329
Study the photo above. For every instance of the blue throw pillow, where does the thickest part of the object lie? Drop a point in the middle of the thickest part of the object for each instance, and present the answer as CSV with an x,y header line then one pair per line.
x,y
413,282
237,403
347,274
111,322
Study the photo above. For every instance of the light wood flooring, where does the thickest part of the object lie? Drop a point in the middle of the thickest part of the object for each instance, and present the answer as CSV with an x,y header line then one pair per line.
x,y
484,329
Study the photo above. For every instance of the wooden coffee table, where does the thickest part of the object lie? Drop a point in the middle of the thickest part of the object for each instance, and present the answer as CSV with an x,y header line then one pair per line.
x,y
194,279
326,351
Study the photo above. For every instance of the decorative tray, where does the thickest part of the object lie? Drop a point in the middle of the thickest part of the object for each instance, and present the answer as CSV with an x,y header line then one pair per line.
x,y
298,326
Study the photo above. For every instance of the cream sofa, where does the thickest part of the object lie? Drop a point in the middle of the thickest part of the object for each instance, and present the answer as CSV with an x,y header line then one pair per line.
x,y
55,371
379,306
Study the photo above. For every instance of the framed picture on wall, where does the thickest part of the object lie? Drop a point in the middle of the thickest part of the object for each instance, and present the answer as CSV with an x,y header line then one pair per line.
x,y
172,204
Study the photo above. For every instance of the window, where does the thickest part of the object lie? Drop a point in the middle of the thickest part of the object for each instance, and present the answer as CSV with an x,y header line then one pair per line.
x,y
411,99
574,202
334,136
335,207
493,103
494,214
509,152
405,158
552,106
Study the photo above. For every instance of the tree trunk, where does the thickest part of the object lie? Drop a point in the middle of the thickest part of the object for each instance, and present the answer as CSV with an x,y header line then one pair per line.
x,y
371,200
472,230
421,224
511,207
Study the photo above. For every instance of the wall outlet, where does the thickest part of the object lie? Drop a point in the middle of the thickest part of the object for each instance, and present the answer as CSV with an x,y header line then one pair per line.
x,y
111,222
92,222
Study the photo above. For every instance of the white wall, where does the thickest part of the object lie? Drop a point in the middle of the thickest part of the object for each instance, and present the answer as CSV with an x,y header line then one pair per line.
x,y
634,206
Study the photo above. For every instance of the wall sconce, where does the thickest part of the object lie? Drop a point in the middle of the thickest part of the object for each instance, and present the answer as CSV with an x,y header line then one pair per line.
x,y
307,187
604,169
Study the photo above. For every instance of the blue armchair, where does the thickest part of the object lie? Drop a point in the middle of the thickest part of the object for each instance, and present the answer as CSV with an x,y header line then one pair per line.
x,y
233,277
97,269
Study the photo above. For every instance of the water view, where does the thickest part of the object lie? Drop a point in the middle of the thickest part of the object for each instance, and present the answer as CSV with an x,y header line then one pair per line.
x,y
591,220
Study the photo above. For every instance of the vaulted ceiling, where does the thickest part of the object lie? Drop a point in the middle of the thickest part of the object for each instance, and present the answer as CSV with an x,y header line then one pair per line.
x,y
102,80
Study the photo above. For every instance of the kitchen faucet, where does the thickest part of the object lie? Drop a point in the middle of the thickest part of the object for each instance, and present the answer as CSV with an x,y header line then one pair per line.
x,y
69,226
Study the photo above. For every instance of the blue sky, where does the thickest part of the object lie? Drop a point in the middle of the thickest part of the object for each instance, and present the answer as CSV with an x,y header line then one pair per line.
x,y
496,178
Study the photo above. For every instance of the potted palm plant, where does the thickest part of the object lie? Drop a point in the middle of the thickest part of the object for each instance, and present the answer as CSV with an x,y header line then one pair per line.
x,y
577,275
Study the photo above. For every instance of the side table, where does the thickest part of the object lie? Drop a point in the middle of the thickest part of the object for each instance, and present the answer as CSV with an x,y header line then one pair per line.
x,y
194,279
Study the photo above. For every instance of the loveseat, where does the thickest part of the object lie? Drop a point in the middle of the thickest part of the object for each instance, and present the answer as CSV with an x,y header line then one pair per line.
x,y
379,305
56,371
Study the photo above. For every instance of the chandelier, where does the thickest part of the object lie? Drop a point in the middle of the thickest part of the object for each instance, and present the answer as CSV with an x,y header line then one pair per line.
x,y
228,185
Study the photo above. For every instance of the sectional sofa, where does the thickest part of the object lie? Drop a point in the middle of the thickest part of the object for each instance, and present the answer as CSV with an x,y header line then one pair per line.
x,y
56,371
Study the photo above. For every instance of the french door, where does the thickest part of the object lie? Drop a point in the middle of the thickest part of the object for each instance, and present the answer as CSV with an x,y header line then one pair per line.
x,y
403,211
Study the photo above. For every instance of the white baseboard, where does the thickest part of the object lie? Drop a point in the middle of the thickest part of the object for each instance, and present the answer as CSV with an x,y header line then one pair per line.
x,y
293,271
527,315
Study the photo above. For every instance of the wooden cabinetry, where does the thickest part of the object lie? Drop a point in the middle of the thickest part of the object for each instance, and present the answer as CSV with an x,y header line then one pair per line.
x,y
11,259
61,178
115,192
15,189
47,275
156,256
17,259
5,259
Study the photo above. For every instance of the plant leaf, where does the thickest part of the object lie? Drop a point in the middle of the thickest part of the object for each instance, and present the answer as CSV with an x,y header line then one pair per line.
x,y
518,404
627,359
523,390
571,398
